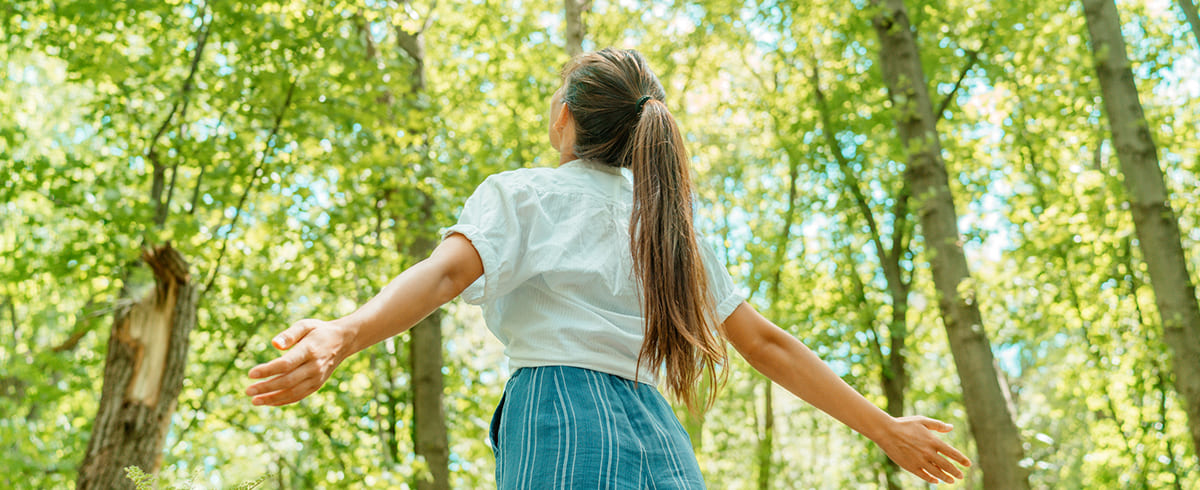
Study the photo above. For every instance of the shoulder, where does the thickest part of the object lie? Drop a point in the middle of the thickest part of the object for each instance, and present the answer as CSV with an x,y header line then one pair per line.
x,y
541,183
522,179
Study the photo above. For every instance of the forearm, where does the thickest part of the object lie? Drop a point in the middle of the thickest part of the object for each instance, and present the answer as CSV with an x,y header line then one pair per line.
x,y
413,295
792,365
795,367
909,441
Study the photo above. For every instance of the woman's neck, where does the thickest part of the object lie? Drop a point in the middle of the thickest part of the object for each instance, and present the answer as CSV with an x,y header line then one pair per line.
x,y
566,156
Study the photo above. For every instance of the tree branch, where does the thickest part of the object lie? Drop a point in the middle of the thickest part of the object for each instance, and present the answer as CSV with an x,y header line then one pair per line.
x,y
852,183
900,223
428,18
860,293
972,59
83,324
203,166
254,174
180,105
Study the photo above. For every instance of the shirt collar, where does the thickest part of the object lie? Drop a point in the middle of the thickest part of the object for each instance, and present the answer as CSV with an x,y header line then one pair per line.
x,y
592,164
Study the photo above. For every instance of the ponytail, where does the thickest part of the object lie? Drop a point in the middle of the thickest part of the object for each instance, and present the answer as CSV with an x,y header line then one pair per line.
x,y
621,120
676,302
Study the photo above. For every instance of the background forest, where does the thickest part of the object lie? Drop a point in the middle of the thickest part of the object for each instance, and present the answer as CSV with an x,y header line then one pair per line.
x,y
983,212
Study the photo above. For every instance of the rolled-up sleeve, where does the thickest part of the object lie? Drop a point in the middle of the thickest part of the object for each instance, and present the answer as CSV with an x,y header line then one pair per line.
x,y
491,220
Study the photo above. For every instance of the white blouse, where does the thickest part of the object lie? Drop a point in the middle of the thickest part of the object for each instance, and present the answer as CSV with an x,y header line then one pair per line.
x,y
558,285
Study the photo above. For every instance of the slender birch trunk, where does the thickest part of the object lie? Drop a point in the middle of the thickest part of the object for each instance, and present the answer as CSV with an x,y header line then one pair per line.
x,y
992,426
1154,221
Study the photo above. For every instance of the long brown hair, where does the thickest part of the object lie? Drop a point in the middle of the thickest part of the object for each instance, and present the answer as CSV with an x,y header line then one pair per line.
x,y
614,126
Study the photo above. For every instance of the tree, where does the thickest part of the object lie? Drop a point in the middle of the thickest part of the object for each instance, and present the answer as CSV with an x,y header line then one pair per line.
x,y
148,344
293,171
996,435
893,372
430,439
147,352
576,28
1193,18
1153,217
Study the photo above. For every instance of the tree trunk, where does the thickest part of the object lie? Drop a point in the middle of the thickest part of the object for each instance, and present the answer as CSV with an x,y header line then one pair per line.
x,y
1172,467
893,386
143,374
1154,220
576,29
693,421
429,420
992,426
1193,18
893,376
430,438
766,440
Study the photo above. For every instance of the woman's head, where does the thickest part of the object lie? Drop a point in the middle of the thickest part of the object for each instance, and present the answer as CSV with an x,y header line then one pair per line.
x,y
601,91
616,106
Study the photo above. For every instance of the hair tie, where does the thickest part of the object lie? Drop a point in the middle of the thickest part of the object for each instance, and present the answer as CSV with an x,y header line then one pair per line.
x,y
641,102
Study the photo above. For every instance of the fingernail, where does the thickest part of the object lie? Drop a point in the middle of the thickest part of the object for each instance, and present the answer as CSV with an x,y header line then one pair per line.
x,y
280,341
258,401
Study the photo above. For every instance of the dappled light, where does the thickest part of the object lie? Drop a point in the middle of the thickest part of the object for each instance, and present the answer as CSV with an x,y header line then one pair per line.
x,y
985,213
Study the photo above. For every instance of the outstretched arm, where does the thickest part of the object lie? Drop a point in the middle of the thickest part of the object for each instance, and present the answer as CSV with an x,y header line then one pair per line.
x,y
316,347
788,362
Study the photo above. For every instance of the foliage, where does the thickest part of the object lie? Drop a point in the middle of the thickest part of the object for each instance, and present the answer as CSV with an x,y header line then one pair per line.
x,y
289,150
143,481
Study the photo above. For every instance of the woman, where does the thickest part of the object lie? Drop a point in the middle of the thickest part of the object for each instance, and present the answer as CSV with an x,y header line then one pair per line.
x,y
596,284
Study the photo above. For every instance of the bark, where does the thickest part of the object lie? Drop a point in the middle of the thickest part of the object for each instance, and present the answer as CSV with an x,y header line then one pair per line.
x,y
429,419
766,440
430,438
1193,18
576,29
1154,221
992,426
143,374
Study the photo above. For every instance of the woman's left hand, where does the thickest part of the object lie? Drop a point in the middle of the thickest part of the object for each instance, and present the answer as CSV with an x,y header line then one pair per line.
x,y
912,444
314,348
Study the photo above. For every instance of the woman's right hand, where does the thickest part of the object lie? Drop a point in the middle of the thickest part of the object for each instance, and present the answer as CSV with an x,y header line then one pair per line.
x,y
314,348
912,444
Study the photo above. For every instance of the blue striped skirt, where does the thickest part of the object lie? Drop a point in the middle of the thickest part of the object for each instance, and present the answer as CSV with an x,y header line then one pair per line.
x,y
569,427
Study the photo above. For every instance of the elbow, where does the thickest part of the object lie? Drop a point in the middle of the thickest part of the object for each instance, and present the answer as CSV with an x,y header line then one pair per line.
x,y
764,352
453,265
449,281
446,284
758,340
